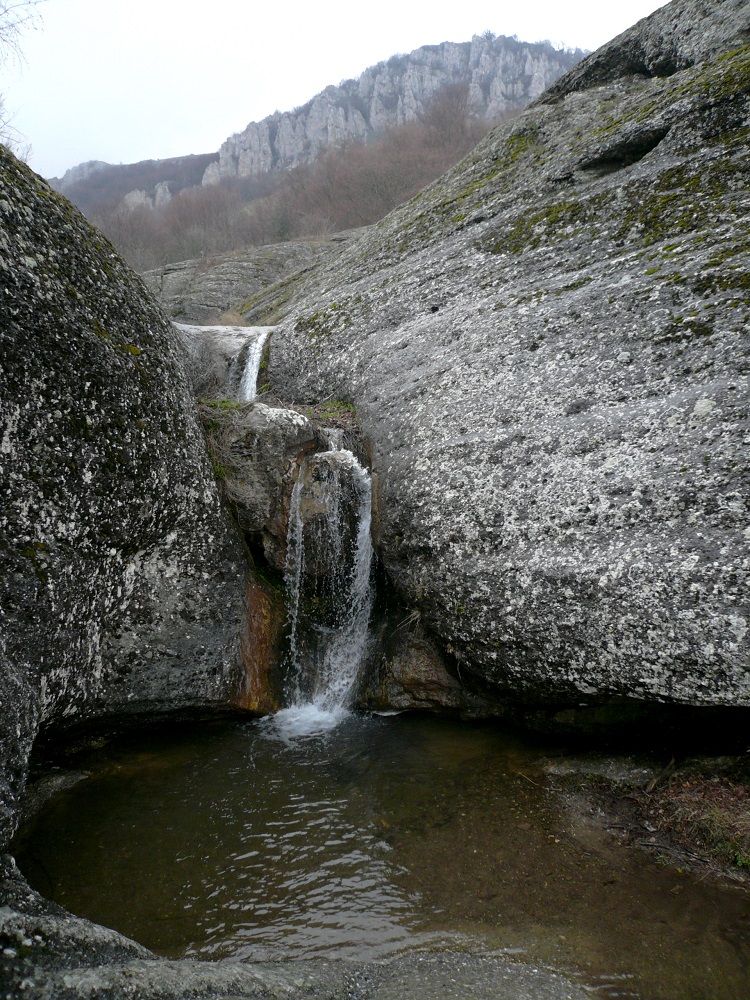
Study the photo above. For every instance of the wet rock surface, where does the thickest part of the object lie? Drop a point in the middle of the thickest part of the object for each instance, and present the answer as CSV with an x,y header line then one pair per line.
x,y
548,351
121,583
258,449
45,954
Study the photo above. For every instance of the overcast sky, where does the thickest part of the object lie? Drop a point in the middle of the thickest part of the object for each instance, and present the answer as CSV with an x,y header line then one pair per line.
x,y
127,80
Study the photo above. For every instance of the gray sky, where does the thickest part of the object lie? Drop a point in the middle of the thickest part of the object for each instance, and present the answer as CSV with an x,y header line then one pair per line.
x,y
127,80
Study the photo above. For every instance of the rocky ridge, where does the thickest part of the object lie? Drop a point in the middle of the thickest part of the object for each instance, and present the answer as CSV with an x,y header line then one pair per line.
x,y
502,75
548,351
200,291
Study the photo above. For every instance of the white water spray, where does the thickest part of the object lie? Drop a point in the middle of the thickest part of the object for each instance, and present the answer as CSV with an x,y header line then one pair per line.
x,y
329,551
248,385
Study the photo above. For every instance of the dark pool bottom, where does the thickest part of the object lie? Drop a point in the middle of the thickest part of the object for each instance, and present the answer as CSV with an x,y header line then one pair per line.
x,y
379,836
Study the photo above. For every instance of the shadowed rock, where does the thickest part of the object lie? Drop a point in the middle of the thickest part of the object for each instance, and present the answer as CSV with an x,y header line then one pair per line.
x,y
121,585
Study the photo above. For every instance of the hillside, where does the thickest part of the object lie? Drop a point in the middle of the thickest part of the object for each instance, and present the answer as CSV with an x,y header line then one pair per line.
x,y
96,184
501,75
548,350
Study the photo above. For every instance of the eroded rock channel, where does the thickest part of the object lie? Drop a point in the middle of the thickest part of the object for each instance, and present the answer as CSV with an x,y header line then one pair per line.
x,y
537,371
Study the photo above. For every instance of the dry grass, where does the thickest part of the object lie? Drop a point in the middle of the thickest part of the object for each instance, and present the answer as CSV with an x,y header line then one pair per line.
x,y
231,318
705,811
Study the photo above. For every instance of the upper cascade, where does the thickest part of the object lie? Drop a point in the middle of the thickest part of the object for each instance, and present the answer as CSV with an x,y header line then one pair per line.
x,y
502,74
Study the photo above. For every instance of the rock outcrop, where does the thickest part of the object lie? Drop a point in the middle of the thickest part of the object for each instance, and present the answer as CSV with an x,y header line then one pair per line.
x,y
96,185
121,585
548,351
502,75
200,291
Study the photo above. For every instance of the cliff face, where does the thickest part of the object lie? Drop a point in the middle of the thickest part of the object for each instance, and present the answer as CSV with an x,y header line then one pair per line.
x,y
548,349
120,579
502,74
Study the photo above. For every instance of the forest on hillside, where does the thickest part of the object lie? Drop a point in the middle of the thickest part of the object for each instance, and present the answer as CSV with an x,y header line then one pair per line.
x,y
349,185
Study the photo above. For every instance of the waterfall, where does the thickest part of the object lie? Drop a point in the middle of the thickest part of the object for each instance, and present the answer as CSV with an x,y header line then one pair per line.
x,y
222,350
329,586
249,381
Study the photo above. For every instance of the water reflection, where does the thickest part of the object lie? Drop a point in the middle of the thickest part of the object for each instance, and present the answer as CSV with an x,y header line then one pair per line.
x,y
284,838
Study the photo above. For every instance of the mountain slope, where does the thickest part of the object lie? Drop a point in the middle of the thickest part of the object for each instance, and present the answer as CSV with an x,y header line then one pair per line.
x,y
500,75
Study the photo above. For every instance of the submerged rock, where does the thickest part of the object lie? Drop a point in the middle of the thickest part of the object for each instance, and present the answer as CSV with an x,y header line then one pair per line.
x,y
121,584
548,351
46,954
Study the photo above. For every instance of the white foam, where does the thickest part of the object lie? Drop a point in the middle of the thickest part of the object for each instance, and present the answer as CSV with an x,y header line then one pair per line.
x,y
299,721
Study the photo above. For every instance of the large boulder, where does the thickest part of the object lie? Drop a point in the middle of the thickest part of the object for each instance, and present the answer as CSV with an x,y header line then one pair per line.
x,y
121,581
548,351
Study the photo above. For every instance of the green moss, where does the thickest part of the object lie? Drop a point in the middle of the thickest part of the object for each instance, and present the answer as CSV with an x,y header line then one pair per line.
x,y
336,408
119,346
213,413
726,76
728,280
521,143
36,552
684,329
549,224
579,283
221,403
269,306
332,411
323,323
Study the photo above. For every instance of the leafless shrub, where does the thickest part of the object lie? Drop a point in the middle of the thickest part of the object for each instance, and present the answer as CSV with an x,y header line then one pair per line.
x,y
349,185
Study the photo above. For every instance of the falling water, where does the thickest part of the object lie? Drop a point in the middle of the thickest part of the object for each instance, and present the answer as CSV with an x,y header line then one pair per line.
x,y
229,347
328,581
249,381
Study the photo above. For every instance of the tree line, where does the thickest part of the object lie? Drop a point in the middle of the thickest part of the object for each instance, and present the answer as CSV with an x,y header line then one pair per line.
x,y
349,185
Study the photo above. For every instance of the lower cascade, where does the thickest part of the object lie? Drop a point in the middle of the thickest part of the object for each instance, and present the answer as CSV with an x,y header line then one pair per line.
x,y
329,587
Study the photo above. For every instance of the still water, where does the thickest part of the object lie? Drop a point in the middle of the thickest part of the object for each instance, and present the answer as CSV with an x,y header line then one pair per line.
x,y
278,839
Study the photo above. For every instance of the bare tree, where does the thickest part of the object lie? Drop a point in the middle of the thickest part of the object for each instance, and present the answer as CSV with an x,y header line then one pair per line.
x,y
15,15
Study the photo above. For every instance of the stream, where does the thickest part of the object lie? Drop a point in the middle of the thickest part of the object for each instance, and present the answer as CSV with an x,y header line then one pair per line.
x,y
318,833
289,837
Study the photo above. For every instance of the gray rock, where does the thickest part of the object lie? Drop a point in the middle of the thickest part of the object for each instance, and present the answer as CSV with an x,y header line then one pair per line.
x,y
502,75
121,579
261,448
199,291
548,351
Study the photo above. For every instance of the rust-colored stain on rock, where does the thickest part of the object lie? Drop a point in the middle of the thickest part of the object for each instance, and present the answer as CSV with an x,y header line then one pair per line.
x,y
260,648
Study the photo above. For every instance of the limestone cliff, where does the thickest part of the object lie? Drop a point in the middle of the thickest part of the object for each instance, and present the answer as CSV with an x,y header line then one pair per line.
x,y
120,579
502,74
548,349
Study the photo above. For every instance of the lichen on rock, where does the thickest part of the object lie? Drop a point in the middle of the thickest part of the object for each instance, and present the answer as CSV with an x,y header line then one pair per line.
x,y
547,349
121,585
